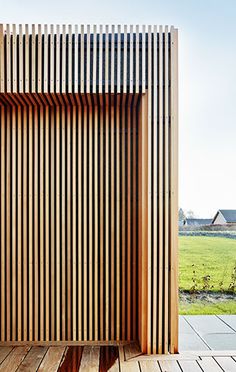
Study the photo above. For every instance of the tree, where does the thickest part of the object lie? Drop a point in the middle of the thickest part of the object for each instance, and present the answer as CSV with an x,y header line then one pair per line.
x,y
190,214
181,215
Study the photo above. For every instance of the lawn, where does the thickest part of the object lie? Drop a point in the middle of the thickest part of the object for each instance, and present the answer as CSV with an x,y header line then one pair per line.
x,y
211,258
205,308
207,263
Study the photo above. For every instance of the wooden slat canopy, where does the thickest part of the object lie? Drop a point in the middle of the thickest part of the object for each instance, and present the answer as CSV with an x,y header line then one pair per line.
x,y
88,178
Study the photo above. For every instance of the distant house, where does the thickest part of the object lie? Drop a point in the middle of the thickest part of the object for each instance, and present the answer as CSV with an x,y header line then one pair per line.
x,y
197,221
224,216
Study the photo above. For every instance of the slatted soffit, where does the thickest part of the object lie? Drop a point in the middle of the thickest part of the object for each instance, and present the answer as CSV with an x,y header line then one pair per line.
x,y
89,127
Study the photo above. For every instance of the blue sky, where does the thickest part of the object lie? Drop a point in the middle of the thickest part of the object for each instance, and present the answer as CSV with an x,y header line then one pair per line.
x,y
207,81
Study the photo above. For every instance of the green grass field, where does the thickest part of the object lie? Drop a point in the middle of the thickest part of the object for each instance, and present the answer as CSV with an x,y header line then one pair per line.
x,y
215,257
204,308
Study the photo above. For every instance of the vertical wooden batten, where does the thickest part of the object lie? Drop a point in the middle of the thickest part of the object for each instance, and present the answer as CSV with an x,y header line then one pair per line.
x,y
160,292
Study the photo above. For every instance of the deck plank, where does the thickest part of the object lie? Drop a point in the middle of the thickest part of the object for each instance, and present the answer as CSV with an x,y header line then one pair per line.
x,y
160,357
149,366
208,364
132,350
90,359
72,359
14,359
212,353
205,324
189,365
114,368
4,351
169,366
228,364
129,367
109,359
33,359
52,359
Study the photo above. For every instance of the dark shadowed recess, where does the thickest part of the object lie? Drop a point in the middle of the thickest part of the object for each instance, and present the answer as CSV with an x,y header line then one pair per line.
x,y
72,359
108,356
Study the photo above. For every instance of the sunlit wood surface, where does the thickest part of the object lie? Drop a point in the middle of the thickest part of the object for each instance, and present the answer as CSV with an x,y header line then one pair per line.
x,y
88,184
126,358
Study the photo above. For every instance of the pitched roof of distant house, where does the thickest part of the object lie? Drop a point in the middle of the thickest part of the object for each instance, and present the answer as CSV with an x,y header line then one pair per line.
x,y
198,221
228,214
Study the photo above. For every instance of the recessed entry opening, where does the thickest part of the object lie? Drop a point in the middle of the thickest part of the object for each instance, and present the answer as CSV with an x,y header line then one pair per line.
x,y
70,192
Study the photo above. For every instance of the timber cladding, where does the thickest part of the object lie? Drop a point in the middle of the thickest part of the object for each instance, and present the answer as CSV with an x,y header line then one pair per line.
x,y
88,133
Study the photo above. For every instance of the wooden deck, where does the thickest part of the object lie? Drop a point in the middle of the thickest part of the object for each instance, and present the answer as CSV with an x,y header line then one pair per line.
x,y
200,340
110,358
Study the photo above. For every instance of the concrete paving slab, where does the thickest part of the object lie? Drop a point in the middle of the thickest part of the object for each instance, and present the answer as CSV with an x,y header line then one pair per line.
x,y
184,326
230,320
191,342
207,324
221,341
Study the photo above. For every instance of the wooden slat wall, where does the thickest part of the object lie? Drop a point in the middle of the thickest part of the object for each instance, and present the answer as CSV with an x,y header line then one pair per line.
x,y
88,133
45,240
